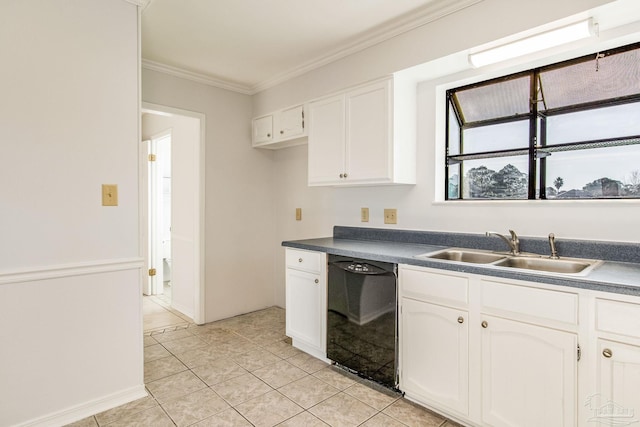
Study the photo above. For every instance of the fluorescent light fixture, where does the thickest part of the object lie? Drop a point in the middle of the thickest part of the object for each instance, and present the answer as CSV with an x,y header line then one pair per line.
x,y
559,36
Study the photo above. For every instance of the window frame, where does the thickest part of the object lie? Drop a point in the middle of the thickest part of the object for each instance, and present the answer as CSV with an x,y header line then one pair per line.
x,y
537,149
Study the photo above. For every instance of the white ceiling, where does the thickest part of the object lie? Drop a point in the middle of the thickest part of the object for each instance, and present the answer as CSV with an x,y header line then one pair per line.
x,y
249,45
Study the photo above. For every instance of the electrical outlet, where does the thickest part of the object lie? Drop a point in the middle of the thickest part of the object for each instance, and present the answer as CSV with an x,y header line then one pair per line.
x,y
109,195
390,216
298,214
364,214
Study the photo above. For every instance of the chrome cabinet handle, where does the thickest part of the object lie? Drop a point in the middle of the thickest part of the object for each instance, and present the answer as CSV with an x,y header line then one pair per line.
x,y
281,132
341,175
345,175
484,324
607,353
460,319
317,281
268,135
299,259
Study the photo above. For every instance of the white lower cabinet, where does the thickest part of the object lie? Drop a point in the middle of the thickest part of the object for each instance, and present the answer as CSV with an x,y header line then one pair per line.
x,y
617,398
529,374
306,301
435,348
477,350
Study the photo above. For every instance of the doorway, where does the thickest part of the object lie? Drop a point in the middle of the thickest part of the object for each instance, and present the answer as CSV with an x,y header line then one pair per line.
x,y
172,207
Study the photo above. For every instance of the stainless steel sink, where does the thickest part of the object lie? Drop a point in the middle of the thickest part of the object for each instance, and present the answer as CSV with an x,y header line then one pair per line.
x,y
465,255
530,262
563,266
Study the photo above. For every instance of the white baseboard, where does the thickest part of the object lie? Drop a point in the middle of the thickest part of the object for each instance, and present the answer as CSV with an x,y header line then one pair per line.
x,y
187,311
87,409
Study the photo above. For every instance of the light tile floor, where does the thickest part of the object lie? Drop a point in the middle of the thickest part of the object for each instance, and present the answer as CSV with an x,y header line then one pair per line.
x,y
243,371
158,314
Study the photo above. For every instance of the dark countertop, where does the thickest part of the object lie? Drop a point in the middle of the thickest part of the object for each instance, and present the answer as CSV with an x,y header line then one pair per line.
x,y
612,275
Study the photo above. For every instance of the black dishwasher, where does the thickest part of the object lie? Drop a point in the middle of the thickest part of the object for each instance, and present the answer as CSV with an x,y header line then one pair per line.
x,y
362,318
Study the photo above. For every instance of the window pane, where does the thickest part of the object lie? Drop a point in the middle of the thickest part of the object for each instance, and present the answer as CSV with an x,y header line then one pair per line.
x,y
453,182
612,172
608,77
502,136
496,178
610,122
505,98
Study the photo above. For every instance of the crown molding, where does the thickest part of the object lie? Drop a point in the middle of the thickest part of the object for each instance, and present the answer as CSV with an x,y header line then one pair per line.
x,y
432,12
140,3
196,77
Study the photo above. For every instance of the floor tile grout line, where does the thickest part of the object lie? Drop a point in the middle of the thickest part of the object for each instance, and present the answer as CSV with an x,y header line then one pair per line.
x,y
262,346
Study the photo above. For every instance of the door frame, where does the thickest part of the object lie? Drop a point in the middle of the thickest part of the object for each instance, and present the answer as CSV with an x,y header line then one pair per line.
x,y
198,214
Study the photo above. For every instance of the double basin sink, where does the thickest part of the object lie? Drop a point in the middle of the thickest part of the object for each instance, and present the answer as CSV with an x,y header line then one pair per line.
x,y
529,262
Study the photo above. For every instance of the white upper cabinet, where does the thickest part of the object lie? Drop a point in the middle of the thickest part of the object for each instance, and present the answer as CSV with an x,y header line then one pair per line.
x,y
352,138
262,130
327,149
289,123
283,128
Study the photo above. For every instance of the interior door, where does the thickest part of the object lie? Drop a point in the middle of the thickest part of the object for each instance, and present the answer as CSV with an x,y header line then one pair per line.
x,y
155,227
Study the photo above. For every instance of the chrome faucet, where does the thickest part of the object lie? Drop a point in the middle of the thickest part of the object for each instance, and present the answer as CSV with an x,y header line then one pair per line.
x,y
514,242
552,245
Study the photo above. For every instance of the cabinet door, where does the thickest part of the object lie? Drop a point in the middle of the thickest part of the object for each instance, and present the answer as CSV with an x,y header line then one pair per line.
x,y
435,354
617,400
528,375
262,130
290,123
326,141
305,305
368,141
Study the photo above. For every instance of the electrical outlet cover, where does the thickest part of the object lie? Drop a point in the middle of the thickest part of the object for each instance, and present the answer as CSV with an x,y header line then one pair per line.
x,y
390,216
364,214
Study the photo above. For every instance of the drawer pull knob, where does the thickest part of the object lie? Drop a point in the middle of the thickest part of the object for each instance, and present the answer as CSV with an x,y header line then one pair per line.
x,y
460,319
299,259
484,324
341,175
317,281
607,353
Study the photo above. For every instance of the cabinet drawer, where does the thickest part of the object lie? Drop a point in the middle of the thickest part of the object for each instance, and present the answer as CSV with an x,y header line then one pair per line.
x,y
618,317
305,260
424,285
542,303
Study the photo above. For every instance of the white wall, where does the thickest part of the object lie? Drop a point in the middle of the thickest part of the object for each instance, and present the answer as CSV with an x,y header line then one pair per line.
x,y
185,146
70,297
418,206
240,208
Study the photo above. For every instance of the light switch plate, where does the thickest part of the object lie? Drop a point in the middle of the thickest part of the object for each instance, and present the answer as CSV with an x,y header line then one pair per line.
x,y
390,216
364,214
109,195
298,214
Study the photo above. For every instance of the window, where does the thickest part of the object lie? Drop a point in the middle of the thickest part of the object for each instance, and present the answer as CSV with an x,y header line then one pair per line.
x,y
569,130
